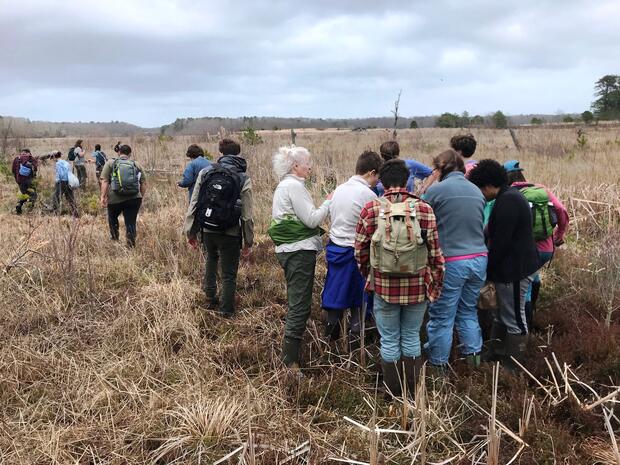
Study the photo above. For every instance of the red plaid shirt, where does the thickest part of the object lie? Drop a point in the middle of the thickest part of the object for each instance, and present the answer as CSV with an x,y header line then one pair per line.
x,y
393,289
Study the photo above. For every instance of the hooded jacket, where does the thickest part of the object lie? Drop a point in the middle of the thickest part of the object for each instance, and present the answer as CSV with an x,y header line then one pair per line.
x,y
512,250
246,228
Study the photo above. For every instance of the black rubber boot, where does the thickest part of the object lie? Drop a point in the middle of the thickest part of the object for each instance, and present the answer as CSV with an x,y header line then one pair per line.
x,y
354,342
494,350
391,378
516,347
290,352
535,293
412,368
332,331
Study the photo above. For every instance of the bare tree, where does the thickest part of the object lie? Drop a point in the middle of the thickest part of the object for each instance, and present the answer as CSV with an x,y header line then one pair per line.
x,y
395,113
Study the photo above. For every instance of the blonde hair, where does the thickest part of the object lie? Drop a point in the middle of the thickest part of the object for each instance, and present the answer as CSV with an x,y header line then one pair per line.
x,y
284,159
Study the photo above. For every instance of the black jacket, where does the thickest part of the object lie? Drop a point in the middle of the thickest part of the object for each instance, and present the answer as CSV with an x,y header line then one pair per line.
x,y
512,250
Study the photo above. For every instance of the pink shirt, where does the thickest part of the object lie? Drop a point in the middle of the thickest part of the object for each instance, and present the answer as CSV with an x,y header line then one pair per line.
x,y
546,245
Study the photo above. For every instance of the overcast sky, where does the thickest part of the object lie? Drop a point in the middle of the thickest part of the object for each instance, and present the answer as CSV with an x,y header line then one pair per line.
x,y
151,61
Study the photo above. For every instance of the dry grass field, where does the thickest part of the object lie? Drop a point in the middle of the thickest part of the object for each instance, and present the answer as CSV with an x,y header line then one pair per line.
x,y
107,355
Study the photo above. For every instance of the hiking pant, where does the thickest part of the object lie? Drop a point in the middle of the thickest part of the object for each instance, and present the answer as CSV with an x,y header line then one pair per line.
x,y
299,273
98,171
28,194
80,171
511,305
63,188
456,307
129,209
544,258
225,251
399,327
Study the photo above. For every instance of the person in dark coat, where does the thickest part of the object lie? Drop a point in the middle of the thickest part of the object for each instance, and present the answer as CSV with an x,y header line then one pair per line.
x,y
512,261
24,170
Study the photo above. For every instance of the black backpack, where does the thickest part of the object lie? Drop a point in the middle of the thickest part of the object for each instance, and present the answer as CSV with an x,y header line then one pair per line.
x,y
71,154
219,204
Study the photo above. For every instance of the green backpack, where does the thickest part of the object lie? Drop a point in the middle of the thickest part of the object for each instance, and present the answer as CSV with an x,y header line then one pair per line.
x,y
544,216
398,246
125,177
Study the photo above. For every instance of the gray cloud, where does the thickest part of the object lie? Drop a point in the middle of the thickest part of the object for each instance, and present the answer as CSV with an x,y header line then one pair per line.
x,y
149,62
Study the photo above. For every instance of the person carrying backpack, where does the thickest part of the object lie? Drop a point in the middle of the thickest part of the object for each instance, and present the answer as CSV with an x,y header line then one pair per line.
x,y
24,170
78,156
296,234
100,161
458,207
344,285
122,189
397,250
195,166
220,214
63,169
512,261
550,222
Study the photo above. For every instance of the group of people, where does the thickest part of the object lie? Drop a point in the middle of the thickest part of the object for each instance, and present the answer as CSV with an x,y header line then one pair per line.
x,y
416,254
406,242
121,180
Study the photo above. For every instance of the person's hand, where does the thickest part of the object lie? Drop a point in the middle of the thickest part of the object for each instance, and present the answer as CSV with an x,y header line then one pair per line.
x,y
558,242
330,195
193,242
104,201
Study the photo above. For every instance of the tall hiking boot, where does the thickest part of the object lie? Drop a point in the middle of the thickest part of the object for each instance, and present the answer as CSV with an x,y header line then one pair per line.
x,y
391,378
290,352
355,342
516,347
412,366
494,350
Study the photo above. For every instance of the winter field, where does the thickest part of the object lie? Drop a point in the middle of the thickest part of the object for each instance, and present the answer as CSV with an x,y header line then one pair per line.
x,y
108,357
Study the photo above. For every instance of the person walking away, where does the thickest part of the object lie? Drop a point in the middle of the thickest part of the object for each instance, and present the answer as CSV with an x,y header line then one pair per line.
x,y
195,166
344,284
100,161
24,168
220,215
397,250
458,207
123,185
296,234
512,261
79,162
391,150
62,187
549,224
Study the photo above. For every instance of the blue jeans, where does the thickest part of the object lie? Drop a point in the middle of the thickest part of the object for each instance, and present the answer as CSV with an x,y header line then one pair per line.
x,y
544,257
399,327
456,306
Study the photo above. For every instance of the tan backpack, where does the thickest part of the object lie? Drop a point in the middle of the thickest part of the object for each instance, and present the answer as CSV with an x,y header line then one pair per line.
x,y
397,246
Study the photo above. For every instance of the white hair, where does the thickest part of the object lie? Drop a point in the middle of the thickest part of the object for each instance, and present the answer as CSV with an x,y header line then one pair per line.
x,y
284,159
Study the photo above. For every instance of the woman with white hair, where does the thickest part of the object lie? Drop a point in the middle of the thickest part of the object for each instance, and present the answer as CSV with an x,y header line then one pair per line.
x,y
296,233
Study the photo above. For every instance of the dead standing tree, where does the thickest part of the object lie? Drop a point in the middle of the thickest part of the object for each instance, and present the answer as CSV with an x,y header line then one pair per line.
x,y
395,113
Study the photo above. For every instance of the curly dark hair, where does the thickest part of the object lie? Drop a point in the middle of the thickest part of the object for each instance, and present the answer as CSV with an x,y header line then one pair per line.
x,y
124,150
368,161
194,151
465,144
394,173
389,150
516,176
488,173
229,147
